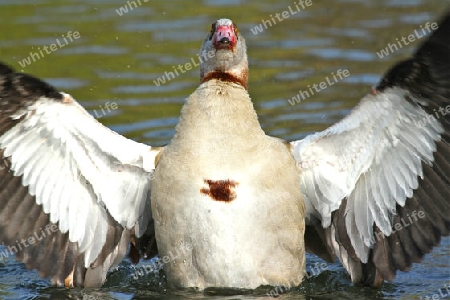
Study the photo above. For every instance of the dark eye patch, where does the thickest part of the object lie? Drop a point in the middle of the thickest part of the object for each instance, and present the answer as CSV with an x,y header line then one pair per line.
x,y
213,29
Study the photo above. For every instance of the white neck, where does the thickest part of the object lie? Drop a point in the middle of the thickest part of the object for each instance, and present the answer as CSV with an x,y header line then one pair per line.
x,y
218,111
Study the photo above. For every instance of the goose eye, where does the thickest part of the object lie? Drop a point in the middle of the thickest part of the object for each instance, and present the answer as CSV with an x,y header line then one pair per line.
x,y
236,31
213,29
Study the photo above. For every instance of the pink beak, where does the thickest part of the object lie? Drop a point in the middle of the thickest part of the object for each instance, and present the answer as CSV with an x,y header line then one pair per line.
x,y
224,38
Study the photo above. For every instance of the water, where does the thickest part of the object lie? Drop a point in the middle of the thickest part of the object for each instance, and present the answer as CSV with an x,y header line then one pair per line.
x,y
117,58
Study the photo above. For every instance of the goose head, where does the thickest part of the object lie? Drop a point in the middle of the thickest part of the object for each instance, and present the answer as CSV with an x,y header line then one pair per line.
x,y
224,54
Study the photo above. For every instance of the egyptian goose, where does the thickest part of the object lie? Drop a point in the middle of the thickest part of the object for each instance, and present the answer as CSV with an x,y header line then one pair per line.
x,y
232,206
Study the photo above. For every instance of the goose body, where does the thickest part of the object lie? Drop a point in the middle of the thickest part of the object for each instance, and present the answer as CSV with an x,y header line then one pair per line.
x,y
219,195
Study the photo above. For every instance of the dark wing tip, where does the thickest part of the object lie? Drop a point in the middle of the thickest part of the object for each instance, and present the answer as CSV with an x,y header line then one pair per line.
x,y
427,73
18,91
19,87
5,69
439,36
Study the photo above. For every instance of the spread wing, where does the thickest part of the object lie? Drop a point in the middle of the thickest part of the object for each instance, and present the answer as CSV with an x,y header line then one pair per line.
x,y
377,184
65,176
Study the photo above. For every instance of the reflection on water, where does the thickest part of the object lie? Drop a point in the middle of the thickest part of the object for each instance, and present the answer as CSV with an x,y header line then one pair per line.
x,y
118,57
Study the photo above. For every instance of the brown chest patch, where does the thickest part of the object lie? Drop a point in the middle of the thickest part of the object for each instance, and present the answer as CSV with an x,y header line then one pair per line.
x,y
220,190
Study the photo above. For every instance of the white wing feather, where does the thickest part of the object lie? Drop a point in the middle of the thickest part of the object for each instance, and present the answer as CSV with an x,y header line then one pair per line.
x,y
80,170
373,158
